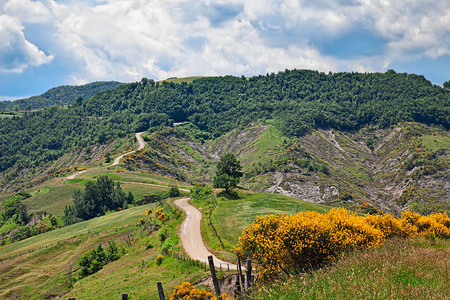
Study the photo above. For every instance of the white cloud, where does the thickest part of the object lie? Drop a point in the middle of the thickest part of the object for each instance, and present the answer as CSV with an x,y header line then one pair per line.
x,y
16,53
27,11
128,39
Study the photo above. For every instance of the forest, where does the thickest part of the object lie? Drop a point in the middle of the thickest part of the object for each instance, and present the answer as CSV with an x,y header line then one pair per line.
x,y
61,95
297,100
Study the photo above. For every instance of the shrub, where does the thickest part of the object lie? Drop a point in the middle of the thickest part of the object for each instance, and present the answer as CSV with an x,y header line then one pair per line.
x,y
167,246
293,243
187,291
162,235
92,261
162,217
174,192
159,259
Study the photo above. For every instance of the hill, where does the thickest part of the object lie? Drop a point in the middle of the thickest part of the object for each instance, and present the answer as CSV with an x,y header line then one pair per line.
x,y
368,142
404,167
61,95
275,123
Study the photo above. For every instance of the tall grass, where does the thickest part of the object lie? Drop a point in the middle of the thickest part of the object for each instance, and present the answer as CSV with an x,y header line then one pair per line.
x,y
403,268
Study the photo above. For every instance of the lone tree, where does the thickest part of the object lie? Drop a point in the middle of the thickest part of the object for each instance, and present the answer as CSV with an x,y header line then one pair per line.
x,y
228,172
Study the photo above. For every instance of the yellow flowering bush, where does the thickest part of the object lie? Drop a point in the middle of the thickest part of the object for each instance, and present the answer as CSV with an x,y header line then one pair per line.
x,y
435,225
391,226
159,259
158,212
162,217
186,291
293,243
148,211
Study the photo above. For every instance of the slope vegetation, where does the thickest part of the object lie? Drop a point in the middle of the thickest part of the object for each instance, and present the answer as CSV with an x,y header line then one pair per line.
x,y
61,95
299,101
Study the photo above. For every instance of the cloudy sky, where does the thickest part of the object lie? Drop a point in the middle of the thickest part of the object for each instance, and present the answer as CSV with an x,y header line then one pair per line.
x,y
46,43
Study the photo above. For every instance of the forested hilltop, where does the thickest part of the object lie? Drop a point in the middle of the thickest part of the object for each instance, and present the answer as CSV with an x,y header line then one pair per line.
x,y
297,101
61,95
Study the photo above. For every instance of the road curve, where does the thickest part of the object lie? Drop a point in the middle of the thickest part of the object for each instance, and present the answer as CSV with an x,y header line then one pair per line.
x,y
141,146
75,174
117,160
191,237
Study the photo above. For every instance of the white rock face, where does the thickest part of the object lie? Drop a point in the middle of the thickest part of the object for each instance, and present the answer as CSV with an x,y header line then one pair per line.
x,y
307,191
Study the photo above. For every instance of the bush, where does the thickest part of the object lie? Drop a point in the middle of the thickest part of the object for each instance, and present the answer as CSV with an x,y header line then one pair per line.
x,y
159,259
174,192
187,291
92,261
167,246
293,243
162,235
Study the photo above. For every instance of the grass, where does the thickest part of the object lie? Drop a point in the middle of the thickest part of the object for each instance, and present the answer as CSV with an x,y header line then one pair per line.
x,y
104,223
265,146
401,269
231,216
435,143
132,177
38,267
10,115
51,199
55,194
189,79
137,273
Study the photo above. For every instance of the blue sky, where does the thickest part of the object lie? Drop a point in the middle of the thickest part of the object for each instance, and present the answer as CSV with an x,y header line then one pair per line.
x,y
47,43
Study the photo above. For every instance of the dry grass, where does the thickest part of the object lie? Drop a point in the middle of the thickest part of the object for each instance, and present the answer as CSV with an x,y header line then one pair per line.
x,y
401,269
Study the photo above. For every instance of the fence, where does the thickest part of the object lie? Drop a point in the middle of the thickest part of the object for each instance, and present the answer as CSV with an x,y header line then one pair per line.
x,y
243,282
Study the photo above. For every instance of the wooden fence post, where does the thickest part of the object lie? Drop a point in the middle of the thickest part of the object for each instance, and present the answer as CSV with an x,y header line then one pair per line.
x,y
214,276
249,272
240,276
160,291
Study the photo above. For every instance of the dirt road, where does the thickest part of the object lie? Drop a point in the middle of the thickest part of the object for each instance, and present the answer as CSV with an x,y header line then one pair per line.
x,y
141,146
75,174
191,237
117,160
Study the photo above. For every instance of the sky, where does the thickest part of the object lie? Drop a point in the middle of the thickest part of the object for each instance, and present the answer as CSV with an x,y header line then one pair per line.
x,y
47,43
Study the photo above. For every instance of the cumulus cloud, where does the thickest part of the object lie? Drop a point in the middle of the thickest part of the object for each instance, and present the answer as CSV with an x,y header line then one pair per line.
x,y
128,39
16,53
27,11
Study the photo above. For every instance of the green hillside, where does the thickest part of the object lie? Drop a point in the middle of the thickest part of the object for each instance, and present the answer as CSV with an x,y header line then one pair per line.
x,y
298,102
307,141
61,95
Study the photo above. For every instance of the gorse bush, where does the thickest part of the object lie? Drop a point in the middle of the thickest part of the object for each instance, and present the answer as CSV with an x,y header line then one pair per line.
x,y
159,259
186,291
294,243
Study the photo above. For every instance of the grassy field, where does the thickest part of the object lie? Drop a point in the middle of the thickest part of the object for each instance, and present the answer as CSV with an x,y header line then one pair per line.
x,y
55,194
10,115
231,216
184,79
401,269
435,143
38,267
52,199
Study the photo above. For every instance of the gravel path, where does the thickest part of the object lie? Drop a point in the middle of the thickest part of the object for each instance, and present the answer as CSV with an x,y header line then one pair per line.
x,y
141,146
191,237
117,160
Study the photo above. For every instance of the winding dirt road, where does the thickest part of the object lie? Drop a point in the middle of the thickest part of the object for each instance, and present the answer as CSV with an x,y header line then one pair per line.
x,y
191,237
141,146
75,174
117,160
